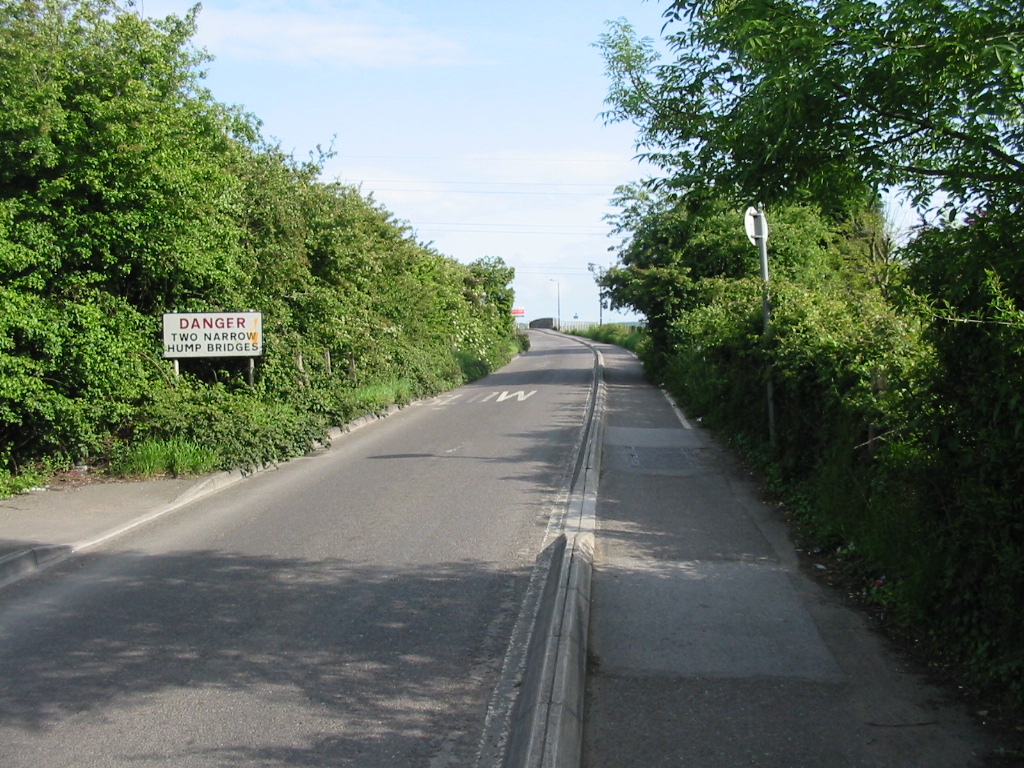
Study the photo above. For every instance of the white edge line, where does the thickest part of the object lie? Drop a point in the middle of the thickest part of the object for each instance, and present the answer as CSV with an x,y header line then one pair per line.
x,y
678,413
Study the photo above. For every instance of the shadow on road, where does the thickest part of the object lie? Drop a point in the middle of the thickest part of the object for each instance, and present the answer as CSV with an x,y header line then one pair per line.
x,y
374,658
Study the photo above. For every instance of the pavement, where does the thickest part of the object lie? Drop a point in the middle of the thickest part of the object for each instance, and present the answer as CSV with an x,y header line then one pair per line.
x,y
708,644
77,511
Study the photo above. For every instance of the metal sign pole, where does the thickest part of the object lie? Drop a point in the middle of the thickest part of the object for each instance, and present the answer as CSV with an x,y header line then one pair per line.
x,y
757,231
762,247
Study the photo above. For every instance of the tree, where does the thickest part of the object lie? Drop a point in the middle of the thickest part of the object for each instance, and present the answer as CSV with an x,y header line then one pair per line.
x,y
127,190
767,99
113,159
114,190
490,282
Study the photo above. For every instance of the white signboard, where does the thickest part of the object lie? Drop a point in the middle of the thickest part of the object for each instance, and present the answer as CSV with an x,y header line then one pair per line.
x,y
518,311
213,334
756,225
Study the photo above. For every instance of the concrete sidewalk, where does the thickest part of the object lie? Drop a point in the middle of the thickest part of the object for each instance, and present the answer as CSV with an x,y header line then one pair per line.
x,y
708,645
49,524
46,525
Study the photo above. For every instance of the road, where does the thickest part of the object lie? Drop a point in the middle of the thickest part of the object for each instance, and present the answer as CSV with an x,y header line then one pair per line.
x,y
352,608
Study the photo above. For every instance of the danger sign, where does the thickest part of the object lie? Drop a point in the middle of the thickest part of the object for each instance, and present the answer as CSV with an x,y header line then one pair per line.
x,y
213,334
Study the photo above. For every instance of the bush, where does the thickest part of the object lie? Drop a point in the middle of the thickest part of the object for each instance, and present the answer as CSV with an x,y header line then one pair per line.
x,y
969,427
627,336
242,428
24,480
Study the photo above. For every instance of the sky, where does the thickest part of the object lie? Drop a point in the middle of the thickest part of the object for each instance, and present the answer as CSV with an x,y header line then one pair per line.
x,y
476,122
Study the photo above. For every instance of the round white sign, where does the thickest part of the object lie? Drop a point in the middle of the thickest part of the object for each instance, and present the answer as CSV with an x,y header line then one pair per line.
x,y
756,224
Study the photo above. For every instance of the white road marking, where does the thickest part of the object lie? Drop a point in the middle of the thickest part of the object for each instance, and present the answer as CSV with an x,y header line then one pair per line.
x,y
678,413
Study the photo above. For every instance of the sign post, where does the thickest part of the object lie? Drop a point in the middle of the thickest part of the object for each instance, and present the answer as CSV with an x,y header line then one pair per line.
x,y
214,334
756,225
757,231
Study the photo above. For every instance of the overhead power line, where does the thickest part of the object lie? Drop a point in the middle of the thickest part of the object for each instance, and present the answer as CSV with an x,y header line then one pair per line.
x,y
591,227
490,160
514,229
493,183
538,233
560,271
451,191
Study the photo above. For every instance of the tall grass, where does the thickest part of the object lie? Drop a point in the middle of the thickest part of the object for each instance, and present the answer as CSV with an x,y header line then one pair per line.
x,y
377,396
154,457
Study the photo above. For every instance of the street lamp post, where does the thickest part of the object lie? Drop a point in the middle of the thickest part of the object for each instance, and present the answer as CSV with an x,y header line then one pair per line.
x,y
558,295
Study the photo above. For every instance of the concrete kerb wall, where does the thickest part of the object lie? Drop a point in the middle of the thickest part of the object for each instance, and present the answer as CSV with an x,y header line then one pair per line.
x,y
18,564
530,714
564,733
564,741
547,730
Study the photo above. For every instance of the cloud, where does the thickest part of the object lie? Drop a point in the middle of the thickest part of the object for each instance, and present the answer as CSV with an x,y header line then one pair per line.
x,y
328,36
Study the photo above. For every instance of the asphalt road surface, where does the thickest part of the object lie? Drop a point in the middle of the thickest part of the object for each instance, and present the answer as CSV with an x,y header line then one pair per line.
x,y
352,608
